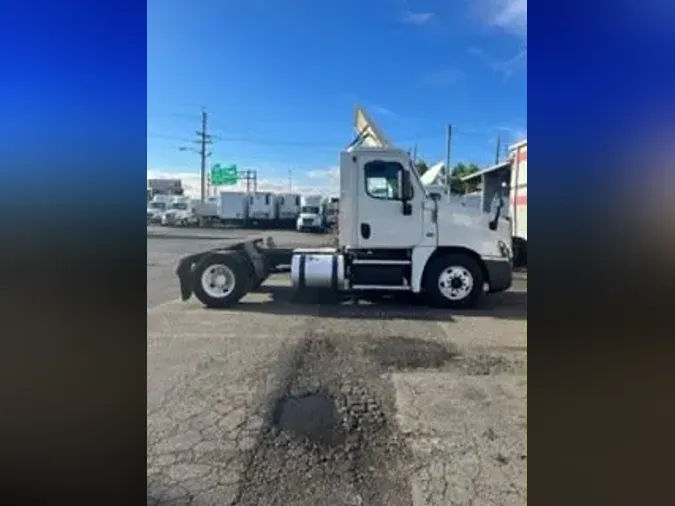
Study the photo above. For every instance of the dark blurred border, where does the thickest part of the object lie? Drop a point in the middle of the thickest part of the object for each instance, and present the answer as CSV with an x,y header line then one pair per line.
x,y
73,290
73,321
600,295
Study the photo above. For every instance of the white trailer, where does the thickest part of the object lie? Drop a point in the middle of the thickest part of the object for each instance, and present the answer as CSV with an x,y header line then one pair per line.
x,y
518,201
261,210
287,209
393,237
232,208
207,211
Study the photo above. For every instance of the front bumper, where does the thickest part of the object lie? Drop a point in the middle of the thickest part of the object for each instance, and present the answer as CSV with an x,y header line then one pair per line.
x,y
500,275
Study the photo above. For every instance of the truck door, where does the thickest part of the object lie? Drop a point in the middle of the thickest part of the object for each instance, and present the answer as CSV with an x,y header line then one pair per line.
x,y
381,221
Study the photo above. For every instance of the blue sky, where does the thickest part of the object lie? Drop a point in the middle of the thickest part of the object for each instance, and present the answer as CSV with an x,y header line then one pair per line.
x,y
280,79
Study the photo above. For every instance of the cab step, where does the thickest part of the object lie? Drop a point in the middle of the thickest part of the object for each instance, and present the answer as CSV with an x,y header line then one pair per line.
x,y
362,261
397,288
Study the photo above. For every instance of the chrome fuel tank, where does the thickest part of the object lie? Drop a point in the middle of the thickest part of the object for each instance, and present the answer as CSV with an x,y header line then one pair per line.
x,y
318,269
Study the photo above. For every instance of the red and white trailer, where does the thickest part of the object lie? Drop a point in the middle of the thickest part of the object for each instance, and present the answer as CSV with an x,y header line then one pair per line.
x,y
518,200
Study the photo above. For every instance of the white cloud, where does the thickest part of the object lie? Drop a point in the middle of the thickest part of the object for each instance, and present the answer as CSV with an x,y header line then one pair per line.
x,y
507,66
417,18
314,182
331,177
515,134
510,15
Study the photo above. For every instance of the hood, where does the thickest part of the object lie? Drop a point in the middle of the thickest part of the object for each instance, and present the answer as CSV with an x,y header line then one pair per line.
x,y
176,212
477,216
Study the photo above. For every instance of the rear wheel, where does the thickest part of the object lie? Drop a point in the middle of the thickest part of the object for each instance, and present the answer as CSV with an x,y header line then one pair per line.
x,y
454,281
221,280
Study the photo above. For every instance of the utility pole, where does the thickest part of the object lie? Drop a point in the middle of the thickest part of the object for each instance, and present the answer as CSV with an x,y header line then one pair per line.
x,y
251,176
414,154
203,137
497,151
447,157
290,180
203,140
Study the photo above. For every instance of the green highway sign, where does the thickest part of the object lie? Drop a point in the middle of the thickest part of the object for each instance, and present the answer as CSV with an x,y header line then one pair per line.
x,y
223,175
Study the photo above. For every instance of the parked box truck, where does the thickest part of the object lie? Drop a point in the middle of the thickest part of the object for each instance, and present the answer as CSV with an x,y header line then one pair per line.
x,y
261,210
233,208
288,209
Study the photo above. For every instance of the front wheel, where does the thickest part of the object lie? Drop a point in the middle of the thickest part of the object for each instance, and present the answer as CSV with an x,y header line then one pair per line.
x,y
221,280
454,281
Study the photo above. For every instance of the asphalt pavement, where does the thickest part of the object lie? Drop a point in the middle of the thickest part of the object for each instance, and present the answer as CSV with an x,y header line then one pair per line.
x,y
278,402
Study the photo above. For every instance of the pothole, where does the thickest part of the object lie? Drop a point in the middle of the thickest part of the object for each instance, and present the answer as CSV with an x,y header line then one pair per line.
x,y
410,353
327,438
313,417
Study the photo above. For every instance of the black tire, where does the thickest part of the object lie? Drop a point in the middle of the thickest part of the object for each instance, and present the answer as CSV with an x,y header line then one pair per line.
x,y
232,261
435,269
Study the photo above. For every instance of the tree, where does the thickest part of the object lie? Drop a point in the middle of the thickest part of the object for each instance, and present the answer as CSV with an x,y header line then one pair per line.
x,y
458,172
421,166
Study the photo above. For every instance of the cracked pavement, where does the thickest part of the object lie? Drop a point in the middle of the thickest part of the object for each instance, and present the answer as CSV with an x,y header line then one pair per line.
x,y
430,407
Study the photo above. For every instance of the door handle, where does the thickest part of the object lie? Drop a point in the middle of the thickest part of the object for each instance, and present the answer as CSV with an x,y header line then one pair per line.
x,y
365,230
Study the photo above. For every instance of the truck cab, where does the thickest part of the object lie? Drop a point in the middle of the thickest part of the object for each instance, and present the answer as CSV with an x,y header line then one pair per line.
x,y
156,207
311,217
180,212
402,238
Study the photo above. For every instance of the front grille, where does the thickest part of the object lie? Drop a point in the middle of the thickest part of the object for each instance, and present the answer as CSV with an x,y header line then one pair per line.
x,y
307,222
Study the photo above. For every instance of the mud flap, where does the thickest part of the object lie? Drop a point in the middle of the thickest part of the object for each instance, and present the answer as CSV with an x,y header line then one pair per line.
x,y
184,272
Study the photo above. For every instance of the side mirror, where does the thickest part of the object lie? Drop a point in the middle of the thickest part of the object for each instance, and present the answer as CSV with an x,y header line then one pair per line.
x,y
406,186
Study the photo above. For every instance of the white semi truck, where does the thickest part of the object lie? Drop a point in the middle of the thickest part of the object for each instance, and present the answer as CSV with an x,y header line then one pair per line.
x,y
393,237
180,212
156,207
311,218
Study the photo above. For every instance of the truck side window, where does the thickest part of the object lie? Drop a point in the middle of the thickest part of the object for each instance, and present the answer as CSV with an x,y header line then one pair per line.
x,y
297,200
251,199
267,199
381,179
281,201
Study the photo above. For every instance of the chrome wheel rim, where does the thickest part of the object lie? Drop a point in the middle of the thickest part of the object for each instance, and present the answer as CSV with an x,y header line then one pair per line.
x,y
218,281
455,283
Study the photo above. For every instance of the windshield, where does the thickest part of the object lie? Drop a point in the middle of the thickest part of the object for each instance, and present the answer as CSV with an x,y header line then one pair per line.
x,y
158,205
310,210
179,205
